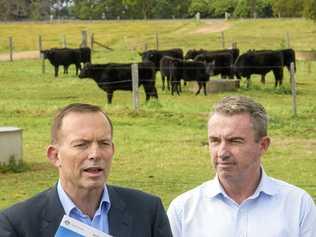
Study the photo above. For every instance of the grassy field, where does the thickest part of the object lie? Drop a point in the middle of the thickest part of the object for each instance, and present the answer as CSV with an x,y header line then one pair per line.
x,y
163,148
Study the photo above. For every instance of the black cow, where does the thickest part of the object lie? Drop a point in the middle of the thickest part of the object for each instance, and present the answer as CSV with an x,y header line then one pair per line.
x,y
223,63
85,55
66,57
116,76
261,63
166,71
192,53
190,71
288,57
156,55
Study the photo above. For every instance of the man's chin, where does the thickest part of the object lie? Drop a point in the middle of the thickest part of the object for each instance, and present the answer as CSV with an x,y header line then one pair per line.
x,y
94,184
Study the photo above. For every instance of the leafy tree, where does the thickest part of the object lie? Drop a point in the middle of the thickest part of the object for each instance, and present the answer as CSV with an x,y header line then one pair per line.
x,y
202,6
287,8
162,9
39,9
14,9
145,6
221,6
242,9
252,4
310,9
263,8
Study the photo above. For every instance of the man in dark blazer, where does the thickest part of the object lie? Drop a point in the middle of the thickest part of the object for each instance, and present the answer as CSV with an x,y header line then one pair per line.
x,y
82,150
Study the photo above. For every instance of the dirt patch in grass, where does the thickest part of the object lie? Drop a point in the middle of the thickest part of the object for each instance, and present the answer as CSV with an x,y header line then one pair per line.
x,y
213,26
20,55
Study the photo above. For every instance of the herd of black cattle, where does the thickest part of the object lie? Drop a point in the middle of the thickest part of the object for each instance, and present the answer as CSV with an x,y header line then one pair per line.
x,y
174,66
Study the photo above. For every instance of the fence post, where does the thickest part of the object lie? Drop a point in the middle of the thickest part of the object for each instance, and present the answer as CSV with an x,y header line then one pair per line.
x,y
40,45
135,87
157,41
64,41
197,17
11,48
293,89
223,39
91,41
83,39
43,64
234,45
145,46
40,48
287,40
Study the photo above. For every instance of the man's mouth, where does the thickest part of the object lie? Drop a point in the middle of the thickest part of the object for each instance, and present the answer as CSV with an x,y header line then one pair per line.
x,y
225,164
93,170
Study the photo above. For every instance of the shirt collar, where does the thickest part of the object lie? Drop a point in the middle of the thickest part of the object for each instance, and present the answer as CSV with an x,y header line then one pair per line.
x,y
69,206
214,188
266,185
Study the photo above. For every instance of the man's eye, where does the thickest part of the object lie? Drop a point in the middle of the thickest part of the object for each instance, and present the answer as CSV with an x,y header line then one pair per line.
x,y
105,143
237,141
80,145
214,141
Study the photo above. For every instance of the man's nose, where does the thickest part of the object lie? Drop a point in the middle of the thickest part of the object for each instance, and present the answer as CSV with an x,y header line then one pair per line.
x,y
94,151
223,151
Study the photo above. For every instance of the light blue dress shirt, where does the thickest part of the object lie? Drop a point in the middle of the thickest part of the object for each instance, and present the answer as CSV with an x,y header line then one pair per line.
x,y
100,220
276,209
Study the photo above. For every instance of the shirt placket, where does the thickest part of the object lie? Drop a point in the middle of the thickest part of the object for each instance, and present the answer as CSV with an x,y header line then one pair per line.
x,y
242,222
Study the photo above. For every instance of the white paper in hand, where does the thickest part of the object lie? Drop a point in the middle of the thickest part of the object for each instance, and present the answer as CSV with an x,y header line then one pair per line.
x,y
70,227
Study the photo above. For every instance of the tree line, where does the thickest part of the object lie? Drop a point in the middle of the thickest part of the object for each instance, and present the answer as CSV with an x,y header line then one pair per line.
x,y
153,9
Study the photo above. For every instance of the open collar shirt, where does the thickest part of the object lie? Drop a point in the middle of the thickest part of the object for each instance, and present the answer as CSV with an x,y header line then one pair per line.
x,y
276,209
100,220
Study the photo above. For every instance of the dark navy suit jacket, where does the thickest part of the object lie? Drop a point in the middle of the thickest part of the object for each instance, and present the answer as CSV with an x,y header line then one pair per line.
x,y
132,214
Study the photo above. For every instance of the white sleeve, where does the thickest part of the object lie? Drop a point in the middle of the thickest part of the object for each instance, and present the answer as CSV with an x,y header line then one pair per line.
x,y
308,217
175,219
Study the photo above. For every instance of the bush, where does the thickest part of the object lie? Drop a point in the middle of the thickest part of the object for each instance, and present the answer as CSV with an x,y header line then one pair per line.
x,y
14,166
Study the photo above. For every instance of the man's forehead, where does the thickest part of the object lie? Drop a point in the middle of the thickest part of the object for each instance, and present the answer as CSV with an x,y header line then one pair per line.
x,y
229,123
217,116
75,115
82,120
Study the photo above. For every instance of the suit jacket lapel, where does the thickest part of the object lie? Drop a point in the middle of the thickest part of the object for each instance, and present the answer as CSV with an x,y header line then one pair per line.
x,y
53,213
120,222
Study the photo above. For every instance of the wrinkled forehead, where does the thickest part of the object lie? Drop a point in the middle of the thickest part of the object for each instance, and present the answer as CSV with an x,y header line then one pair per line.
x,y
80,120
219,120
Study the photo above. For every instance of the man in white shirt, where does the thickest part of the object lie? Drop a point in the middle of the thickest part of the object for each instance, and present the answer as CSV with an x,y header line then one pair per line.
x,y
241,200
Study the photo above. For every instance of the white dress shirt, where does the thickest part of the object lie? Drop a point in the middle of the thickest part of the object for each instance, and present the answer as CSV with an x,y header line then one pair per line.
x,y
276,209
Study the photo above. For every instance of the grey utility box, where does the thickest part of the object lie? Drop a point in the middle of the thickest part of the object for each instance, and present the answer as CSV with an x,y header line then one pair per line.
x,y
10,144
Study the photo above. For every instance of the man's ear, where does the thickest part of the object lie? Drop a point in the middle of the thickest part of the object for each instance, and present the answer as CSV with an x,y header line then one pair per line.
x,y
264,144
52,155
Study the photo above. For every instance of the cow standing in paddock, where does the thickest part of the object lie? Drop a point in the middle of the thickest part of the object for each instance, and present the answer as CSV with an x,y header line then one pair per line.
x,y
261,63
66,57
85,55
156,55
190,71
288,58
118,76
166,71
192,53
223,63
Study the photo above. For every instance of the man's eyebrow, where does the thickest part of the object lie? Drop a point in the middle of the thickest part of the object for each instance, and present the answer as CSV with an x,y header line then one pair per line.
x,y
79,140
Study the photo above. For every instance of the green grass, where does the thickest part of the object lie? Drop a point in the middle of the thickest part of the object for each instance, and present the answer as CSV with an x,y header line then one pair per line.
x,y
162,149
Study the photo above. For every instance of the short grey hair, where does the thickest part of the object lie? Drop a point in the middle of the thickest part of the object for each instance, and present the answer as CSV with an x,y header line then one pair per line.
x,y
77,108
231,105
